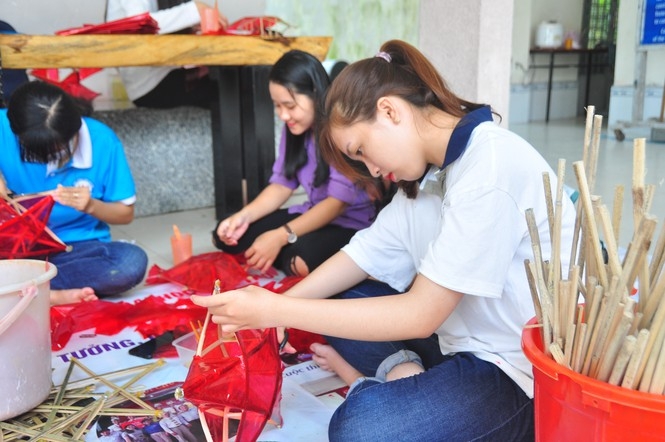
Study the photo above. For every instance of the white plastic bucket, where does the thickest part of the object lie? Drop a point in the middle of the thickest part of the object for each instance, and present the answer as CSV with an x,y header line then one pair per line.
x,y
25,337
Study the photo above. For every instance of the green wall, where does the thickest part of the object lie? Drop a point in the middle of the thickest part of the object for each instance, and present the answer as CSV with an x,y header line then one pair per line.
x,y
358,27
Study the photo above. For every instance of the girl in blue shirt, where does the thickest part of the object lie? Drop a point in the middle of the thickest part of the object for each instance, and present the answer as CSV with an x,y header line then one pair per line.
x,y
50,145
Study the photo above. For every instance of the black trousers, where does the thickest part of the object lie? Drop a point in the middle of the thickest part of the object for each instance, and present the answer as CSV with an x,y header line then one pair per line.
x,y
313,248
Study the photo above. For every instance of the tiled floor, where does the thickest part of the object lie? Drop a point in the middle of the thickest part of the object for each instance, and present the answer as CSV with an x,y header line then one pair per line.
x,y
555,140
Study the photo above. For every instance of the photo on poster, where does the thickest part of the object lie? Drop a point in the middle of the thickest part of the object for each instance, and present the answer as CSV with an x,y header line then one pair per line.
x,y
179,420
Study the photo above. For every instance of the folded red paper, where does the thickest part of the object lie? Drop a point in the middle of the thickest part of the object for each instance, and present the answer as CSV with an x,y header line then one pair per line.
x,y
135,24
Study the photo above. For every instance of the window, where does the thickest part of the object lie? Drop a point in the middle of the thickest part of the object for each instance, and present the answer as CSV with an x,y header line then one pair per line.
x,y
599,23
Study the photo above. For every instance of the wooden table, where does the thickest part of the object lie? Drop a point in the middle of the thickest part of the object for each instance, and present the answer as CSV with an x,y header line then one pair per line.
x,y
242,117
585,60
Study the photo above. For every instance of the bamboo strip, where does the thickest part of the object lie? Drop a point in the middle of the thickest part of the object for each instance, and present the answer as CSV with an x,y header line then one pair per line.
x,y
611,351
655,330
557,354
589,339
656,298
549,204
593,156
578,347
585,198
637,252
588,127
658,381
94,412
610,242
658,257
122,389
638,179
652,356
607,329
617,206
29,432
630,377
622,360
545,300
568,349
529,269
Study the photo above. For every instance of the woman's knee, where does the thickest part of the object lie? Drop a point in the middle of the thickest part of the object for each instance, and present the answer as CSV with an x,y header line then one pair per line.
x,y
298,267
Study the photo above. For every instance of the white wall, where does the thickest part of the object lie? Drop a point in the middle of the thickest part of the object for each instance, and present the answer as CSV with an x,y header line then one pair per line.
x,y
54,15
528,85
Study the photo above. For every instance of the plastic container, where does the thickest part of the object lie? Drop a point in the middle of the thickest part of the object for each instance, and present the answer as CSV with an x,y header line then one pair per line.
x,y
549,34
25,338
185,345
572,407
181,246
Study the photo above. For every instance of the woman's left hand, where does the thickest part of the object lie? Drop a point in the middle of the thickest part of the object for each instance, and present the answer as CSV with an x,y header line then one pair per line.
x,y
263,252
245,308
75,197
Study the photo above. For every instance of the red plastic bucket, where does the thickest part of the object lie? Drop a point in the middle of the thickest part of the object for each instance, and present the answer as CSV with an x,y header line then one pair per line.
x,y
572,407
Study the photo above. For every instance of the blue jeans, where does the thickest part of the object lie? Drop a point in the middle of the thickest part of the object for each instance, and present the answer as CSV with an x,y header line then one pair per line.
x,y
110,268
458,398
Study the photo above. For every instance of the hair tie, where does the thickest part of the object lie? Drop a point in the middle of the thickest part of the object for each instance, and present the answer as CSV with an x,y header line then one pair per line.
x,y
386,56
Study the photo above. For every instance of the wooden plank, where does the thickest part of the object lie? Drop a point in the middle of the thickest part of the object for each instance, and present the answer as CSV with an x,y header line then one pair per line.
x,y
20,51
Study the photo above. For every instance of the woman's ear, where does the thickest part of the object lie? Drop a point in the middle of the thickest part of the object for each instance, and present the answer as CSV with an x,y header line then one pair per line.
x,y
386,108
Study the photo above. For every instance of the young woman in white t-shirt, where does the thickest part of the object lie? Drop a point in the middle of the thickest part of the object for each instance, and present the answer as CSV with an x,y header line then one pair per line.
x,y
449,251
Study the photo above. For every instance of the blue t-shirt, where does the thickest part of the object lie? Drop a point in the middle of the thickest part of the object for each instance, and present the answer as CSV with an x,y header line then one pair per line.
x,y
99,164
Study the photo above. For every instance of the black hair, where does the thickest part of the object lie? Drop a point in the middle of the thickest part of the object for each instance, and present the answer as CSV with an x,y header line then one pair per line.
x,y
302,73
45,119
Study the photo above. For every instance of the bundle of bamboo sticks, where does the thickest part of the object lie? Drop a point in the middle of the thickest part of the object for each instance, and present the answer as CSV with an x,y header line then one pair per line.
x,y
68,412
590,321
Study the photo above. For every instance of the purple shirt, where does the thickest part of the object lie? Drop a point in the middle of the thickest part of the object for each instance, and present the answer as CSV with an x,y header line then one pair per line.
x,y
360,209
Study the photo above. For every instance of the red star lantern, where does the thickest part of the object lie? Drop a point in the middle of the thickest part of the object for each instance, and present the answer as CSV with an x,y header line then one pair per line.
x,y
235,378
23,231
71,83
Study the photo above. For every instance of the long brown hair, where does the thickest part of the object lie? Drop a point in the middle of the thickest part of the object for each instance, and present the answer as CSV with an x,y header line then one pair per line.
x,y
401,70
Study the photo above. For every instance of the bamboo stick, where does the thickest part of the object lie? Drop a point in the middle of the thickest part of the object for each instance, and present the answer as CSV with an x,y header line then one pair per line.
x,y
656,298
588,127
529,269
652,357
585,198
545,299
610,242
578,347
591,331
630,377
611,351
549,204
617,206
658,257
622,360
593,156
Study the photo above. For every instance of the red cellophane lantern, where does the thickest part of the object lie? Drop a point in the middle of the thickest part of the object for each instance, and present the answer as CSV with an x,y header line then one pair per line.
x,y
235,381
23,231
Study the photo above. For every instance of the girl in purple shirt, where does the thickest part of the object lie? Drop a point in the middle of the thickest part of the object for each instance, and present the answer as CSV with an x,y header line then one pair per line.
x,y
296,240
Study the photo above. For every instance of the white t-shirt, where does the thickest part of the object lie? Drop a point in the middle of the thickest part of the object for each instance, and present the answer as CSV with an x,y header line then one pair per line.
x,y
474,240
138,81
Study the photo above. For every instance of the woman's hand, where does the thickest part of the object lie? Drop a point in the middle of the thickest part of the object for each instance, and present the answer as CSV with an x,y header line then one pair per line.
x,y
78,198
233,228
262,253
246,308
4,192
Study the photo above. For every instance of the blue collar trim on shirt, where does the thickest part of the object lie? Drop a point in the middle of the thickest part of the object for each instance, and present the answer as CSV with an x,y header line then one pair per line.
x,y
459,139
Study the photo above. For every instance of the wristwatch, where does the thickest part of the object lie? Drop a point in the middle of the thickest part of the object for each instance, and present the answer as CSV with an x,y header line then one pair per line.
x,y
292,235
